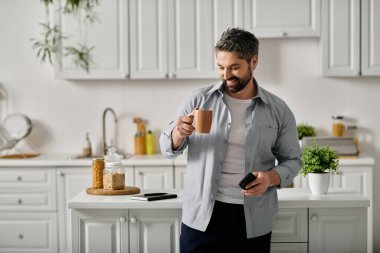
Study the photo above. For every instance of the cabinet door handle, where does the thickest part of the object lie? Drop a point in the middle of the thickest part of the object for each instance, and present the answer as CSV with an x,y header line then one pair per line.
x,y
19,178
314,218
133,220
19,201
122,219
284,34
60,173
20,236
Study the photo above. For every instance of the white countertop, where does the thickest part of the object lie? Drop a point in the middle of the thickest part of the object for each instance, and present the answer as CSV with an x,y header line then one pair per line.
x,y
288,198
55,160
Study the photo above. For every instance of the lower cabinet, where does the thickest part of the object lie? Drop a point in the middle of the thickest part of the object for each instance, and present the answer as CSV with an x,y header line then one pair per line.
x,y
337,230
157,230
320,230
122,231
28,232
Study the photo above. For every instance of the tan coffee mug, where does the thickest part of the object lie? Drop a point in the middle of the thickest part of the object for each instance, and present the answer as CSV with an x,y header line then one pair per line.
x,y
202,121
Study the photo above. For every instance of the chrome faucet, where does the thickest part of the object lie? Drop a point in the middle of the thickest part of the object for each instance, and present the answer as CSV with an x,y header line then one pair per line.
x,y
105,146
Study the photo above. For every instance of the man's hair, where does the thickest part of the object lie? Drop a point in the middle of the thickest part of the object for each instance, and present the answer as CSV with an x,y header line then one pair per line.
x,y
244,43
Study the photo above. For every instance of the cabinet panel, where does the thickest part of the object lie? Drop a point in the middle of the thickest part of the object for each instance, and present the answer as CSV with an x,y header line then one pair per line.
x,y
370,37
290,225
21,232
36,178
70,181
338,230
108,35
190,39
100,231
341,37
179,174
149,49
276,18
157,177
154,231
288,247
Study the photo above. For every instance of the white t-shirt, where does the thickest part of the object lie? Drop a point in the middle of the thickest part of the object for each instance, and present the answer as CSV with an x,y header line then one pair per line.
x,y
233,168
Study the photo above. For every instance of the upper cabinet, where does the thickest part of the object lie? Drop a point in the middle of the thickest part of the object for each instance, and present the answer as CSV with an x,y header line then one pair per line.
x,y
277,18
108,35
370,38
175,39
351,37
158,39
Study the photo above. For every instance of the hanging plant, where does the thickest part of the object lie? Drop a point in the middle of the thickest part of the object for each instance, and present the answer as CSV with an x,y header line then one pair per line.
x,y
81,56
52,36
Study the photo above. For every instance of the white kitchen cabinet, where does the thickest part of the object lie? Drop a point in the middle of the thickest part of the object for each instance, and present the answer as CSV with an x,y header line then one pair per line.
x,y
350,37
356,176
100,231
28,232
28,218
70,181
176,39
108,35
154,177
290,225
154,231
179,176
277,18
338,230
370,45
134,230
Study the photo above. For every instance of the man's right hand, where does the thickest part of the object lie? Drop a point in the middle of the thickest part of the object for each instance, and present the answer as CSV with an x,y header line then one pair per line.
x,y
184,127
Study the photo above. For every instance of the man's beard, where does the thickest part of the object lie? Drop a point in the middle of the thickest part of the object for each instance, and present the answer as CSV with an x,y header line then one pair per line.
x,y
241,83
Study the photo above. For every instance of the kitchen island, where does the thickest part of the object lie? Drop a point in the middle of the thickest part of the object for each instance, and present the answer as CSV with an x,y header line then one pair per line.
x,y
335,222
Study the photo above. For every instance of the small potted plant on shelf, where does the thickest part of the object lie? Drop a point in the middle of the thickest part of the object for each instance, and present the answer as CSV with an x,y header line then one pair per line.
x,y
318,163
305,130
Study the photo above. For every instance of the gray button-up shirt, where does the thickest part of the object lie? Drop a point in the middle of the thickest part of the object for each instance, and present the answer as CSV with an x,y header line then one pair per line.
x,y
271,134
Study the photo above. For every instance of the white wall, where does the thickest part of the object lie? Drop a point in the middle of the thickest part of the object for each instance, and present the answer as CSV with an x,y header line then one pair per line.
x,y
63,111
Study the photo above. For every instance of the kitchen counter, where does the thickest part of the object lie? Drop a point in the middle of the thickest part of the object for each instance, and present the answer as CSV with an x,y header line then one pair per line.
x,y
288,198
48,160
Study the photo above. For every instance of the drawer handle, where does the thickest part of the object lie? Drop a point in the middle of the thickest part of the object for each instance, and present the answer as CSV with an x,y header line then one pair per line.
x,y
20,236
314,218
19,201
133,220
122,219
19,178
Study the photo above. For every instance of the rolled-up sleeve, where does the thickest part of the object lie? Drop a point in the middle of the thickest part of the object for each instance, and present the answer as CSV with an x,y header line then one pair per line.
x,y
287,149
166,136
166,143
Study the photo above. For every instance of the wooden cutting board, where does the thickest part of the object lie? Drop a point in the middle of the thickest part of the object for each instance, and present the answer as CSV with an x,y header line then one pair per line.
x,y
128,190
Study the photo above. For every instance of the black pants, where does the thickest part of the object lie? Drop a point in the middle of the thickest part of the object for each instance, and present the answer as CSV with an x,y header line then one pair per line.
x,y
226,232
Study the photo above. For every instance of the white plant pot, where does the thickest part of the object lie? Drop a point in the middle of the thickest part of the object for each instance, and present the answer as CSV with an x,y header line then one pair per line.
x,y
319,183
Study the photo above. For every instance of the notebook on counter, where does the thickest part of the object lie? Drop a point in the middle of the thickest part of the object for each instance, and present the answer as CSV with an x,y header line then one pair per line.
x,y
154,196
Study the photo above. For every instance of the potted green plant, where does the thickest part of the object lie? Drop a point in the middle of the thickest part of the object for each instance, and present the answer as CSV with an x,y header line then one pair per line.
x,y
305,130
318,163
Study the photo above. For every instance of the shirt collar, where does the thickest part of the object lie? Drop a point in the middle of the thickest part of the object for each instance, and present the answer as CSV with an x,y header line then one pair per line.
x,y
260,94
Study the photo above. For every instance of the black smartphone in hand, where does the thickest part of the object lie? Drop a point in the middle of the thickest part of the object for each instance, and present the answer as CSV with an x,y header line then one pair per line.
x,y
246,180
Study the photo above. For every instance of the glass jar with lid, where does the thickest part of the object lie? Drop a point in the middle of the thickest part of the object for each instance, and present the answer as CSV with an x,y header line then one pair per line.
x,y
114,175
338,126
